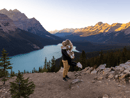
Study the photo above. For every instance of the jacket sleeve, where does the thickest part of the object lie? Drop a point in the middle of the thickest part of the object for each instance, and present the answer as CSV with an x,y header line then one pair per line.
x,y
65,54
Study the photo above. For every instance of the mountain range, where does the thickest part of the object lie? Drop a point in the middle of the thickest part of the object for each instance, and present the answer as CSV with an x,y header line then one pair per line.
x,y
18,34
24,23
100,32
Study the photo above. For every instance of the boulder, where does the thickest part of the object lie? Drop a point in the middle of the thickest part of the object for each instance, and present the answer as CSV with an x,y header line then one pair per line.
x,y
116,76
126,72
122,76
89,70
120,68
112,72
105,96
85,69
124,65
93,81
128,62
101,67
100,78
113,68
111,76
106,71
76,81
94,72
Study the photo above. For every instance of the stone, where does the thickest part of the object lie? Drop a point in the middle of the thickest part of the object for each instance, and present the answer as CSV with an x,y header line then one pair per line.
x,y
84,73
110,76
105,96
89,70
95,78
122,76
112,72
101,67
100,78
93,81
113,68
126,71
76,74
128,62
100,81
116,76
76,81
94,72
124,65
106,71
85,69
119,85
127,91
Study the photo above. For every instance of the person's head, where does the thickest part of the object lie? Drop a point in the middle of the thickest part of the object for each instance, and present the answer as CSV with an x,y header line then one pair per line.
x,y
67,42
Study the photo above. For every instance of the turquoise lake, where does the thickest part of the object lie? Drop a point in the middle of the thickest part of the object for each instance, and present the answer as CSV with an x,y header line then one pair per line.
x,y
36,58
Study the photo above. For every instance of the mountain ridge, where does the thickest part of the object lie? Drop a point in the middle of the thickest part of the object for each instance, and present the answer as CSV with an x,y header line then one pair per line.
x,y
98,28
24,23
16,41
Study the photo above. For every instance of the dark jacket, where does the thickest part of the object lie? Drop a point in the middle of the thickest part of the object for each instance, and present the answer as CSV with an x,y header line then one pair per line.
x,y
65,56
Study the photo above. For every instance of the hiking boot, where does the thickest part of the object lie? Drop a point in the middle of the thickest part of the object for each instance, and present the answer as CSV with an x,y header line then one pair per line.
x,y
67,77
64,79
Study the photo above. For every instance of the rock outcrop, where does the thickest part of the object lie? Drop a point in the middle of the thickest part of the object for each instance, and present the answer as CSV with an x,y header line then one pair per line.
x,y
119,73
6,24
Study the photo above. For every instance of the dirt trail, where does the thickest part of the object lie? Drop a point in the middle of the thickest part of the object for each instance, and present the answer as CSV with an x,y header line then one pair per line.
x,y
51,85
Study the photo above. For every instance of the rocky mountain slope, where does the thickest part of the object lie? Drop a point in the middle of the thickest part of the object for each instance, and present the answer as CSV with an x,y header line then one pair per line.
x,y
89,83
17,41
66,30
101,32
98,28
31,25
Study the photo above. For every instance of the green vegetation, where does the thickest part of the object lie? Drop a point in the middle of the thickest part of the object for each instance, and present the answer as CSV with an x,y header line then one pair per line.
x,y
110,58
48,66
21,87
4,65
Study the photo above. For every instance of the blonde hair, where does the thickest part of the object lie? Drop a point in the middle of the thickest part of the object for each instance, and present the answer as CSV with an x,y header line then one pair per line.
x,y
67,42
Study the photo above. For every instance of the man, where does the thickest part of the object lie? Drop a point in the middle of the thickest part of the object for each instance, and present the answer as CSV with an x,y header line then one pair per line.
x,y
67,56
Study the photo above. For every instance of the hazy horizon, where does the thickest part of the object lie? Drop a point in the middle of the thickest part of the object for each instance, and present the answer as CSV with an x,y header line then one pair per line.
x,y
60,14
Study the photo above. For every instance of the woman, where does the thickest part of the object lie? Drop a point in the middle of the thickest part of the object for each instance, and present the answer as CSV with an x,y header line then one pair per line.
x,y
67,56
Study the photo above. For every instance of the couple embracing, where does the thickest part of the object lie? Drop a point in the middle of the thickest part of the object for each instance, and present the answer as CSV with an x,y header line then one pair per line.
x,y
67,57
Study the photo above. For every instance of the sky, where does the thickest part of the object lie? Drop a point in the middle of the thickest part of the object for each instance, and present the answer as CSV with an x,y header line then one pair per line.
x,y
60,14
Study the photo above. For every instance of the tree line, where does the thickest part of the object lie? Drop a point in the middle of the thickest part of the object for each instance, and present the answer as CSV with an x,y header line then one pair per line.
x,y
110,58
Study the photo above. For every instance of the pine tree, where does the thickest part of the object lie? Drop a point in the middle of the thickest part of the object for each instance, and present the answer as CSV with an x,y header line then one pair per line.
x,y
45,63
12,72
5,64
49,66
53,66
45,66
101,57
40,69
21,87
1,73
83,59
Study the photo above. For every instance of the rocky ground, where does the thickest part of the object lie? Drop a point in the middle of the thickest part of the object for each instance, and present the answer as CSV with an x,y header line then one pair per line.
x,y
88,83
